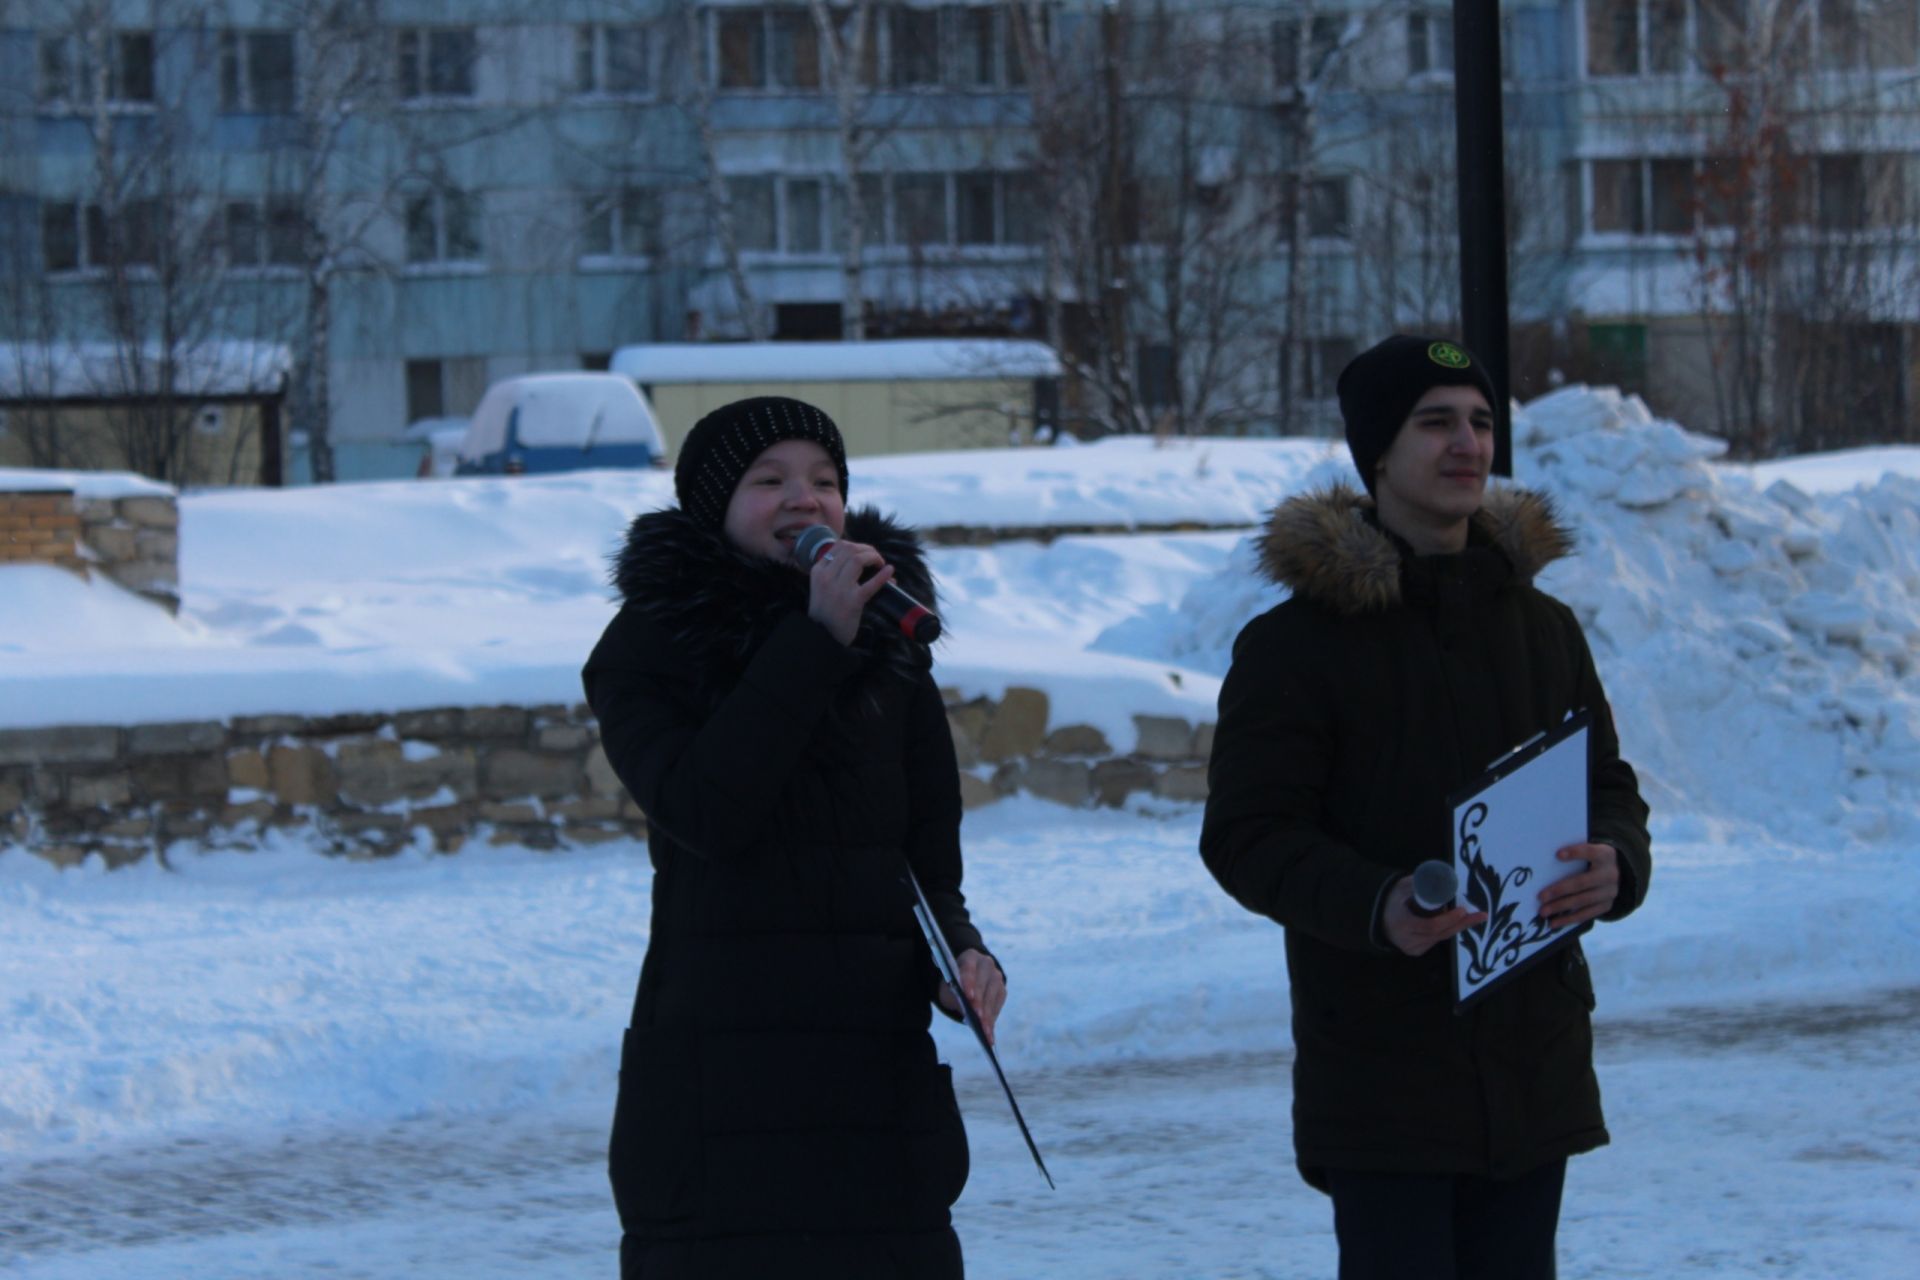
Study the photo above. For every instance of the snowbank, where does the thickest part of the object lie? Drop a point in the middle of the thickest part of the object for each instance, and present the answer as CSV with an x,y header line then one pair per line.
x,y
1761,646
83,484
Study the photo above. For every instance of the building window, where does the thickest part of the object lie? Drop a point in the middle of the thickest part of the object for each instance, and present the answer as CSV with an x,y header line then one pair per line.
x,y
443,226
920,209
82,237
612,60
426,390
794,45
1667,37
786,214
256,71
1325,61
1650,37
1670,184
1430,42
60,238
975,208
1287,71
913,47
767,49
975,47
1866,35
1322,360
628,223
1619,197
1159,380
756,214
1037,23
1840,193
1329,216
437,62
742,48
804,229
66,70
1022,217
1306,50
269,234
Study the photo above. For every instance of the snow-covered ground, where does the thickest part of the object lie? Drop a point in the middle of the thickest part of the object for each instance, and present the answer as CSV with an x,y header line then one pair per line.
x,y
277,1064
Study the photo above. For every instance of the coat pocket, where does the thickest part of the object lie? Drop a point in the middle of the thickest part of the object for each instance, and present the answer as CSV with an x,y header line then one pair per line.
x,y
1576,977
936,1143
654,1154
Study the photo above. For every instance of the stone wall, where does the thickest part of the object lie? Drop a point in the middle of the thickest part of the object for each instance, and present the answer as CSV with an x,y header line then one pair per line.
x,y
1012,745
371,785
133,540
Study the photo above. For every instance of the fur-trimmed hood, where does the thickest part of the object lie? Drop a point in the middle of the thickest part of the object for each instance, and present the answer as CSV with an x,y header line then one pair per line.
x,y
1324,546
719,602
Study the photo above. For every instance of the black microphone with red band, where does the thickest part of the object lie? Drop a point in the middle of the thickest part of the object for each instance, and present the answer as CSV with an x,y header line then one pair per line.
x,y
890,603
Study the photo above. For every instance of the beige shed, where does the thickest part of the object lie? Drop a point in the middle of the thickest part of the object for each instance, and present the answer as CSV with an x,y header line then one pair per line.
x,y
902,396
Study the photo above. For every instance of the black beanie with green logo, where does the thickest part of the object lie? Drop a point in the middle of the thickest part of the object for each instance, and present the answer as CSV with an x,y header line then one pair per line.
x,y
1380,386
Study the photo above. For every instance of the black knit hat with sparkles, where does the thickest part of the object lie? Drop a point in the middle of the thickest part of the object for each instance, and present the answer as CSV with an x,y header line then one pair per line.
x,y
1380,386
722,445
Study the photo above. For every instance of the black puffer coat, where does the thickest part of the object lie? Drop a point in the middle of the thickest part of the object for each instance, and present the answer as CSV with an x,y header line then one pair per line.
x,y
1351,711
781,1109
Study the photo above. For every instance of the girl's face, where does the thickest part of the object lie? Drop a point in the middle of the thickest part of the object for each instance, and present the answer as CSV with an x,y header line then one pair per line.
x,y
788,488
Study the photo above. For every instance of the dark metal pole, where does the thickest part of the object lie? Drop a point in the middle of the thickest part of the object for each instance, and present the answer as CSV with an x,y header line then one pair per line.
x,y
1480,135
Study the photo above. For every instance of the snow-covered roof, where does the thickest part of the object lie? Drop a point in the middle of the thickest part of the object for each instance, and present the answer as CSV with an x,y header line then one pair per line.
x,y
85,484
559,410
107,370
666,363
421,430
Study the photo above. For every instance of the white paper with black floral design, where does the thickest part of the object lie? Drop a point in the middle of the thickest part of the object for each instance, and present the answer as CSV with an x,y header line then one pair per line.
x,y
1507,829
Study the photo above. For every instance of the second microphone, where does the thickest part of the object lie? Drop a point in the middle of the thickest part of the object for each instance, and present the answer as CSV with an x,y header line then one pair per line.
x,y
890,603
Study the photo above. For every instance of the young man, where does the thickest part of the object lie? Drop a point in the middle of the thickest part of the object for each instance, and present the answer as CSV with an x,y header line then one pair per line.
x,y
1413,651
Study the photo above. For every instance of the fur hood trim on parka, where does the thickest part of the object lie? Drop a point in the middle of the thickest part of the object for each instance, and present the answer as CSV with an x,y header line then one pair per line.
x,y
718,602
1321,545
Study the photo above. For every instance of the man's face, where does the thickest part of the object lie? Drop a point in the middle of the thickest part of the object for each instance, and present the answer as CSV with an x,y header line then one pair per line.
x,y
788,488
1435,472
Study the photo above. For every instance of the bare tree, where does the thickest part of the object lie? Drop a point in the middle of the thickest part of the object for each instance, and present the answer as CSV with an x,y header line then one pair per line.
x,y
700,86
137,258
1795,224
847,45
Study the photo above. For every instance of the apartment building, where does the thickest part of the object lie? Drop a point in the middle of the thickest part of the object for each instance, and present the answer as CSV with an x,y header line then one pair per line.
x,y
1206,207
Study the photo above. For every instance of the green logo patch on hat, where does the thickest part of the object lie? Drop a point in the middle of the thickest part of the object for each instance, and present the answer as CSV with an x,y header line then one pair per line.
x,y
1448,356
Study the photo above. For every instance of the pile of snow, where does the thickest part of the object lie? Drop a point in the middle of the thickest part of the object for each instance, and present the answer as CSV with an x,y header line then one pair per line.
x,y
1759,637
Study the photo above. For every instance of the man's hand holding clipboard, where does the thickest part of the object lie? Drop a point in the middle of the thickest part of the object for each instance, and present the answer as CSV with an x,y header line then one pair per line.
x,y
1517,833
1586,895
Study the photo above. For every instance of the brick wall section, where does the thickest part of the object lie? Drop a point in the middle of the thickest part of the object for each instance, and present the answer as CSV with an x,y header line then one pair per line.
x,y
40,528
371,785
134,541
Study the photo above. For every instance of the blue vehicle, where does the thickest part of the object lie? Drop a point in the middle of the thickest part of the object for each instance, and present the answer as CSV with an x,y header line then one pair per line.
x,y
543,422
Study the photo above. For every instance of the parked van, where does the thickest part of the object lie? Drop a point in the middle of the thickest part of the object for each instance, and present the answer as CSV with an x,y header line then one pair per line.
x,y
561,422
903,395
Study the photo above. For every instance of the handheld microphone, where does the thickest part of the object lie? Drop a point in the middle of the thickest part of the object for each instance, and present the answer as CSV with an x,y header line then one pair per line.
x,y
892,605
1434,888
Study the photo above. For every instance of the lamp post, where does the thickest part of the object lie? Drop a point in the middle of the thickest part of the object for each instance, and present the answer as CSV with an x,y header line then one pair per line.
x,y
1480,139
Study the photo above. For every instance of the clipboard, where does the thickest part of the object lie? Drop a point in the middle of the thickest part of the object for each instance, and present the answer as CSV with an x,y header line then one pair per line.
x,y
950,971
1505,828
